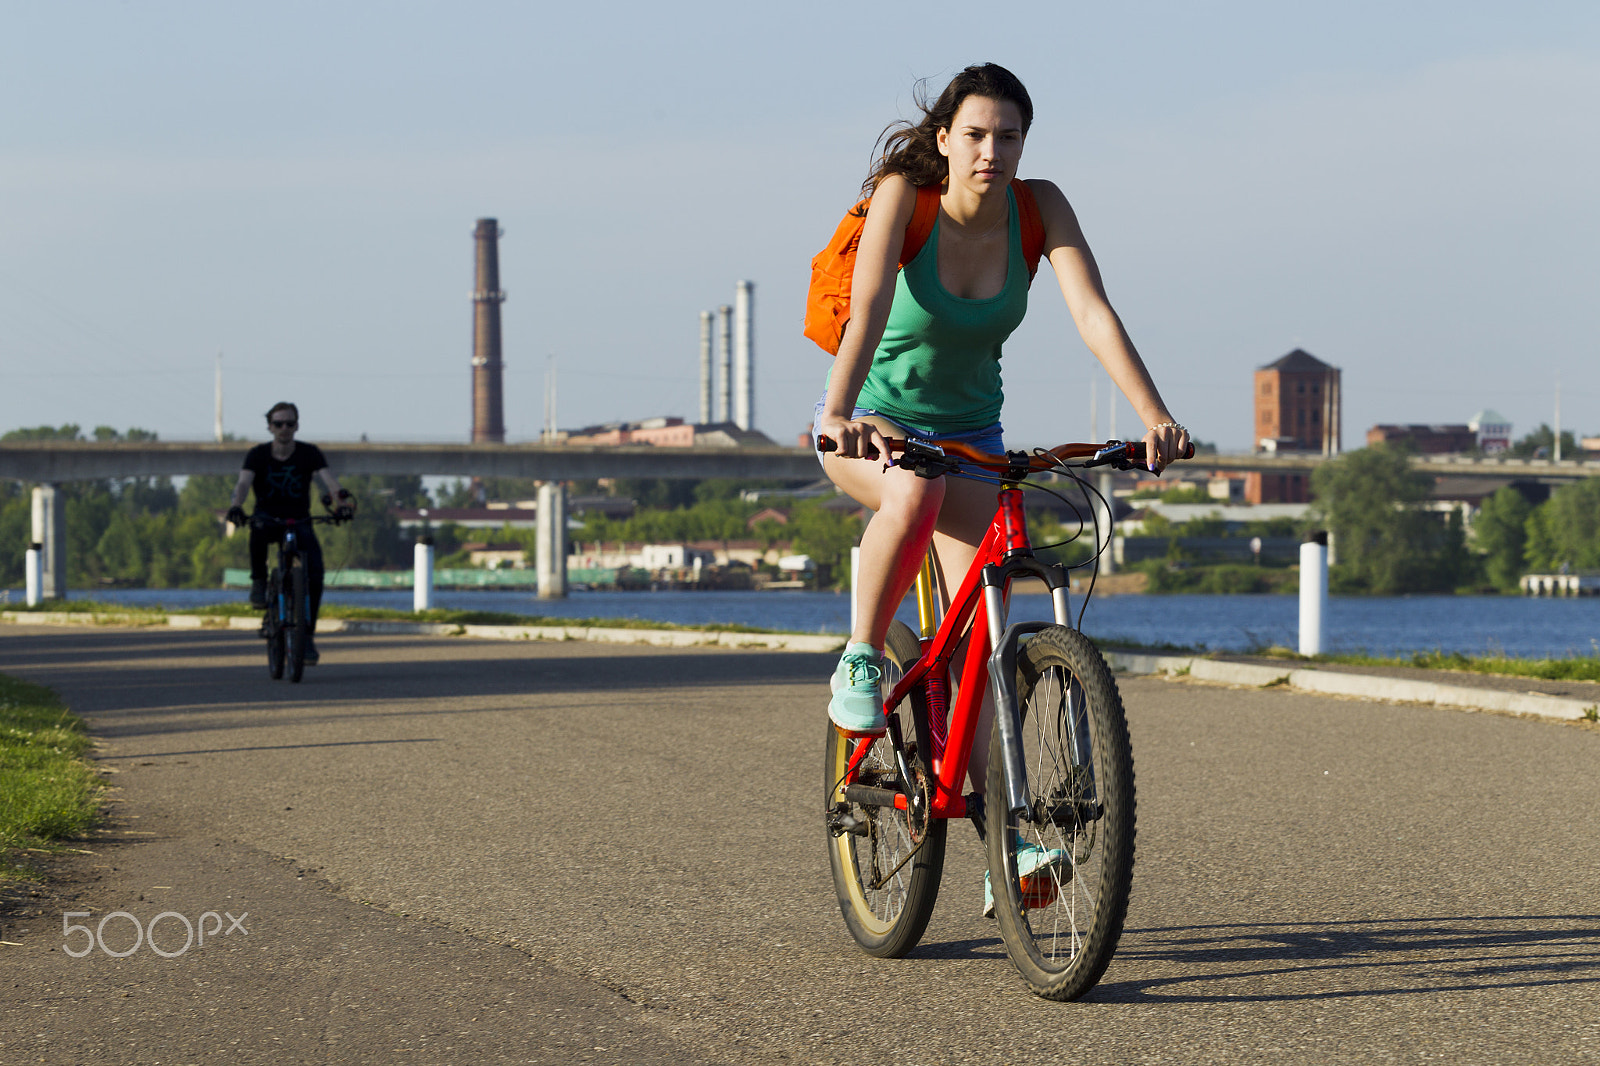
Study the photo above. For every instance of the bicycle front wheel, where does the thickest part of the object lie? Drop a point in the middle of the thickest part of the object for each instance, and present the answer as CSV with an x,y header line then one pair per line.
x,y
299,623
1060,876
886,862
272,628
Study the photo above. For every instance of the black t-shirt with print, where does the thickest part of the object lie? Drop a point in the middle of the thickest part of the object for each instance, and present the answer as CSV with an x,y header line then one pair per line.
x,y
283,486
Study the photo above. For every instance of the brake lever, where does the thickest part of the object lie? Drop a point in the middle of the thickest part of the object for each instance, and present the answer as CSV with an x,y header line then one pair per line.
x,y
925,459
1114,454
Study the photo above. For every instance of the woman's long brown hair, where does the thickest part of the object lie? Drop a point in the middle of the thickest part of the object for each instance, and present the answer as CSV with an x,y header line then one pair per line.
x,y
912,150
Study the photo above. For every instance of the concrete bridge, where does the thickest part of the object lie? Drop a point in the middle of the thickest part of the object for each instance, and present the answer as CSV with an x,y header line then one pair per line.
x,y
51,462
48,463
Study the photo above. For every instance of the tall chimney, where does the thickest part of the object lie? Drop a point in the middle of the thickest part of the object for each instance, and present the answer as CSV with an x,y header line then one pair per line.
x,y
705,367
725,365
488,407
744,399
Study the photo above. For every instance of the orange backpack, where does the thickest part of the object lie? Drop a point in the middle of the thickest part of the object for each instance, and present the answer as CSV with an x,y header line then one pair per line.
x,y
833,269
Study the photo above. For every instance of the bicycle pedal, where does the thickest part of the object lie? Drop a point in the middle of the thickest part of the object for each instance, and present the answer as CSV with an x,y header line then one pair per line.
x,y
854,734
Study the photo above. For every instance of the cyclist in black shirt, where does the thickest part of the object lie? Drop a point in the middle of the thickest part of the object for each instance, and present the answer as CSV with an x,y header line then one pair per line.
x,y
281,474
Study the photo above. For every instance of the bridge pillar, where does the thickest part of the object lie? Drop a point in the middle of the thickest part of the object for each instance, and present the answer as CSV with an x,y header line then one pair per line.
x,y
1108,562
50,533
551,531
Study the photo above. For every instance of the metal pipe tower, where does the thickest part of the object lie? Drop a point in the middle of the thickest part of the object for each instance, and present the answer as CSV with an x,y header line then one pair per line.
x,y
488,405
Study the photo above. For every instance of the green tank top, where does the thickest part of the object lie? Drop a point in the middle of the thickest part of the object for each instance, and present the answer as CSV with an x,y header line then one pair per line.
x,y
937,368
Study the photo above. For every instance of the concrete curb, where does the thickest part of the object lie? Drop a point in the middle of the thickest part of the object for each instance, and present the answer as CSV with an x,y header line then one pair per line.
x,y
663,638
1365,686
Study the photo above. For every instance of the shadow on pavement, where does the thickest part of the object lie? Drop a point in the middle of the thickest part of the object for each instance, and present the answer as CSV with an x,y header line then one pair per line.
x,y
1418,955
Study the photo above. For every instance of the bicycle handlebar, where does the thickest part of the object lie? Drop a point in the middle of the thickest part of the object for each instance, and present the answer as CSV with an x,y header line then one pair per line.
x,y
1124,455
259,520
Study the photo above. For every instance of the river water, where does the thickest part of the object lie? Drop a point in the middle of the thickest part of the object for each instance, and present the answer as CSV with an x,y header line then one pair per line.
x,y
1512,625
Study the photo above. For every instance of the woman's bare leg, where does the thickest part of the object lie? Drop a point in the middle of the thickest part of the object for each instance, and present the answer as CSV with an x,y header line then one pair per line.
x,y
905,508
909,512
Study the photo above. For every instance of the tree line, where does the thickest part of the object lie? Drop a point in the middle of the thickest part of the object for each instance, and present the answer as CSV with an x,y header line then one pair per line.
x,y
1388,540
147,532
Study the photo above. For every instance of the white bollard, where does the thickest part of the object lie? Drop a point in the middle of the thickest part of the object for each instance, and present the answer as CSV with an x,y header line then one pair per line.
x,y
550,554
33,567
422,584
1313,593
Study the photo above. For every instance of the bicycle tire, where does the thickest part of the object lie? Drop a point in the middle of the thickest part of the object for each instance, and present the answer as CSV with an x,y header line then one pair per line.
x,y
272,628
889,920
1061,925
299,623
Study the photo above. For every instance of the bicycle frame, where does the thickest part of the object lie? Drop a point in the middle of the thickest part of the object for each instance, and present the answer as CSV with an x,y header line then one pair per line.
x,y
1004,554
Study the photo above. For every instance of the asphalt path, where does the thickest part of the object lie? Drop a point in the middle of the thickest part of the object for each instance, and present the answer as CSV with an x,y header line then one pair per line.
x,y
453,850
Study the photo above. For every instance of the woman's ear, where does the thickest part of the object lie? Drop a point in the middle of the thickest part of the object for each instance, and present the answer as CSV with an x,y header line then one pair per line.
x,y
941,137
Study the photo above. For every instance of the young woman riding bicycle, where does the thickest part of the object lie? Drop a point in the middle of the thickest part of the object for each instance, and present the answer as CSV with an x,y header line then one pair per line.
x,y
920,356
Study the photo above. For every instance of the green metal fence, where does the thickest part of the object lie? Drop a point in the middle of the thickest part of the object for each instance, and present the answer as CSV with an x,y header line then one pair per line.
x,y
442,578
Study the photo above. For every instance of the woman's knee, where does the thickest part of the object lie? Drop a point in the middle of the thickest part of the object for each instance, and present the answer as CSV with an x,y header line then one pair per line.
x,y
905,493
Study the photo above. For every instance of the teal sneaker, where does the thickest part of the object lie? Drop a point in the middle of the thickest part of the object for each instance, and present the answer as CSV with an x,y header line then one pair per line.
x,y
1032,861
857,704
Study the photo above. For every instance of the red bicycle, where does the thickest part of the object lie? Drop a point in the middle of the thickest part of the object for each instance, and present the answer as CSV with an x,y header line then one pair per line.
x,y
1059,824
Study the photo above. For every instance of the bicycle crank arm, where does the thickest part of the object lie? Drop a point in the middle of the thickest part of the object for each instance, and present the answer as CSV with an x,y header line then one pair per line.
x,y
868,796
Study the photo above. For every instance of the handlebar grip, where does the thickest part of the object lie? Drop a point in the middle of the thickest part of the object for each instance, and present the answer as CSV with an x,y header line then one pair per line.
x,y
1140,456
826,443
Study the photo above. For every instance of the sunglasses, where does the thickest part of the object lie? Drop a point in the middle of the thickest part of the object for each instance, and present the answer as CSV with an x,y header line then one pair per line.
x,y
279,424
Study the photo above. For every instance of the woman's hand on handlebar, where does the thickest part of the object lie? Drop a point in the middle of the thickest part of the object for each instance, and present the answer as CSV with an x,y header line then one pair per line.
x,y
850,439
1164,443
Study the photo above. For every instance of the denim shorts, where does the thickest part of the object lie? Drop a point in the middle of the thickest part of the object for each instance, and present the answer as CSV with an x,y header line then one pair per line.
x,y
985,439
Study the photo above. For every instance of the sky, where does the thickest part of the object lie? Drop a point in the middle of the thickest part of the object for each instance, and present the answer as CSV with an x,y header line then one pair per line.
x,y
1407,191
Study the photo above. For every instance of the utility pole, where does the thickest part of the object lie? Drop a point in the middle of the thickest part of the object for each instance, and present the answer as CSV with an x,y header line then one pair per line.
x,y
549,434
218,426
1555,448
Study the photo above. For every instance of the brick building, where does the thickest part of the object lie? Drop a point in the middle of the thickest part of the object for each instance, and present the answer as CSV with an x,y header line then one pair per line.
x,y
1297,405
1427,440
1296,410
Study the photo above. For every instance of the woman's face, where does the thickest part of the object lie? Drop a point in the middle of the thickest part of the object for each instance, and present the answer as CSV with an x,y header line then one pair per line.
x,y
983,143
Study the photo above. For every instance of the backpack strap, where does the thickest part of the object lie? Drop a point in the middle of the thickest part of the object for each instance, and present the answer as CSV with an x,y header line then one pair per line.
x,y
923,216
1032,226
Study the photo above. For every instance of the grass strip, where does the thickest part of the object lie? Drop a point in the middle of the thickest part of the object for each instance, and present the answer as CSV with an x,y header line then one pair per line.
x,y
48,791
1572,668
1575,668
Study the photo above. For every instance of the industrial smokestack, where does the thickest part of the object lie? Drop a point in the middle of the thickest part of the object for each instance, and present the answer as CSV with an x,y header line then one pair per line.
x,y
705,367
725,365
488,406
744,399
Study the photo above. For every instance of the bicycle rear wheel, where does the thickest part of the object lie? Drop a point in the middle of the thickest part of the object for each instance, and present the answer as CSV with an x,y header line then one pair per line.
x,y
272,627
1061,908
886,862
299,621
